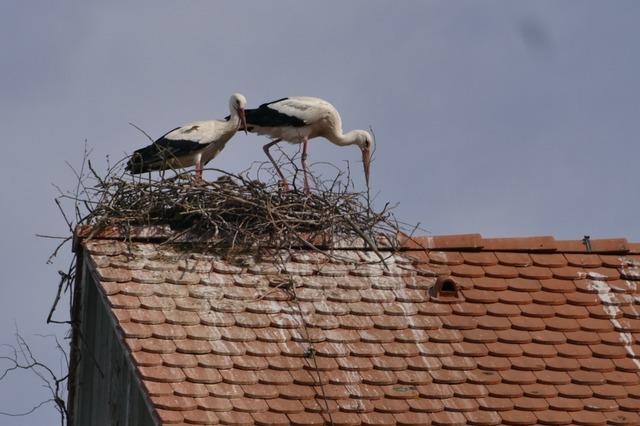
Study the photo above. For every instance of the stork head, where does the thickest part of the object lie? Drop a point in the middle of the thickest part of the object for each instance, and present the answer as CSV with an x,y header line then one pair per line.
x,y
365,141
237,104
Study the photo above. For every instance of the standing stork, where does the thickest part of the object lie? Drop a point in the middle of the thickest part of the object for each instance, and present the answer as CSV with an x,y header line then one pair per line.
x,y
194,143
299,118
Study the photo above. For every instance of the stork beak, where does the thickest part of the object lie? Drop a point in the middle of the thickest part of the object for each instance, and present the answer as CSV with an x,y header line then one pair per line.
x,y
243,120
366,162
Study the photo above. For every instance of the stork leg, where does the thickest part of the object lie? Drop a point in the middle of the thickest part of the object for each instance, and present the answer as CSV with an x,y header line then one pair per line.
x,y
275,165
198,170
305,167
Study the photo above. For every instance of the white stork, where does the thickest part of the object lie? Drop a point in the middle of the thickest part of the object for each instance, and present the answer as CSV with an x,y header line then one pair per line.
x,y
300,118
194,143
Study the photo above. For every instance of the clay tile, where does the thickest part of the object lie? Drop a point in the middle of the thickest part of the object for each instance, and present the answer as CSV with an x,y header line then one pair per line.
x,y
583,260
491,284
629,404
445,336
625,378
527,363
583,299
168,331
549,260
599,404
411,335
517,417
156,303
424,405
565,404
135,330
147,359
466,270
181,318
541,243
535,273
389,363
306,419
514,297
552,377
480,296
598,364
538,390
158,346
179,360
621,418
466,349
388,405
503,310
458,363
189,346
406,380
435,349
236,418
514,259
513,337
588,418
484,418
527,323
169,416
517,377
607,351
435,391
574,391
460,405
194,390
162,374
562,324
423,363
469,309
547,298
157,388
494,323
501,271
530,404
411,419
539,351
553,417
571,311
558,286
449,377
595,325
479,336
124,302
447,418
483,258
495,404
270,419
446,258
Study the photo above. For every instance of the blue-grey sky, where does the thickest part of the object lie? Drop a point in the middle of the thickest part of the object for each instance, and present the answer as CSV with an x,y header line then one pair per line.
x,y
498,117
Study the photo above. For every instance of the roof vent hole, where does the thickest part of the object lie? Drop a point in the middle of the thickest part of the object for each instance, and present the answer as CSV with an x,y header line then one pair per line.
x,y
445,286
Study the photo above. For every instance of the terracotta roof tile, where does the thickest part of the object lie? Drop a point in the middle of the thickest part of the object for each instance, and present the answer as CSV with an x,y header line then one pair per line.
x,y
542,332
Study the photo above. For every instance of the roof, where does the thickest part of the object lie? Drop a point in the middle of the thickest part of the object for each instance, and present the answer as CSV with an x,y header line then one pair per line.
x,y
534,331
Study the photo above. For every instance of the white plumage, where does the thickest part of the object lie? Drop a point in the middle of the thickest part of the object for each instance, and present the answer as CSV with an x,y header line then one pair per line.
x,y
195,143
300,118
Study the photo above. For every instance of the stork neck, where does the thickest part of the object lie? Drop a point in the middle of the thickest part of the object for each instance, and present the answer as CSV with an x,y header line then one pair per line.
x,y
343,139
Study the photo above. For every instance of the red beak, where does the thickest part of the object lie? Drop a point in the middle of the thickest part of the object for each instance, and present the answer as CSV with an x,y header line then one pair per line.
x,y
243,120
366,162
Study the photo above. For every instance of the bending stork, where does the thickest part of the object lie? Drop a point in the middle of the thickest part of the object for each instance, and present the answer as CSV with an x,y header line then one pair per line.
x,y
195,143
300,118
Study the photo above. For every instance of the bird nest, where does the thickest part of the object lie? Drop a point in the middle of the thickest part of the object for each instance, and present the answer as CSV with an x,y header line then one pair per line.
x,y
236,212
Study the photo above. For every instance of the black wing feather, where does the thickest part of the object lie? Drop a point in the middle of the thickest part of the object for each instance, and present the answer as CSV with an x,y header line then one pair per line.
x,y
265,116
156,155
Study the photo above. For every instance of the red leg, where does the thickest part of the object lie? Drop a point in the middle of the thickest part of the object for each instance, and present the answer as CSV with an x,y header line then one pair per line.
x,y
275,165
305,167
199,170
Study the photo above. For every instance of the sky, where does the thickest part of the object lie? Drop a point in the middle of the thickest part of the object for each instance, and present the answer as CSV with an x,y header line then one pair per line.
x,y
504,118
